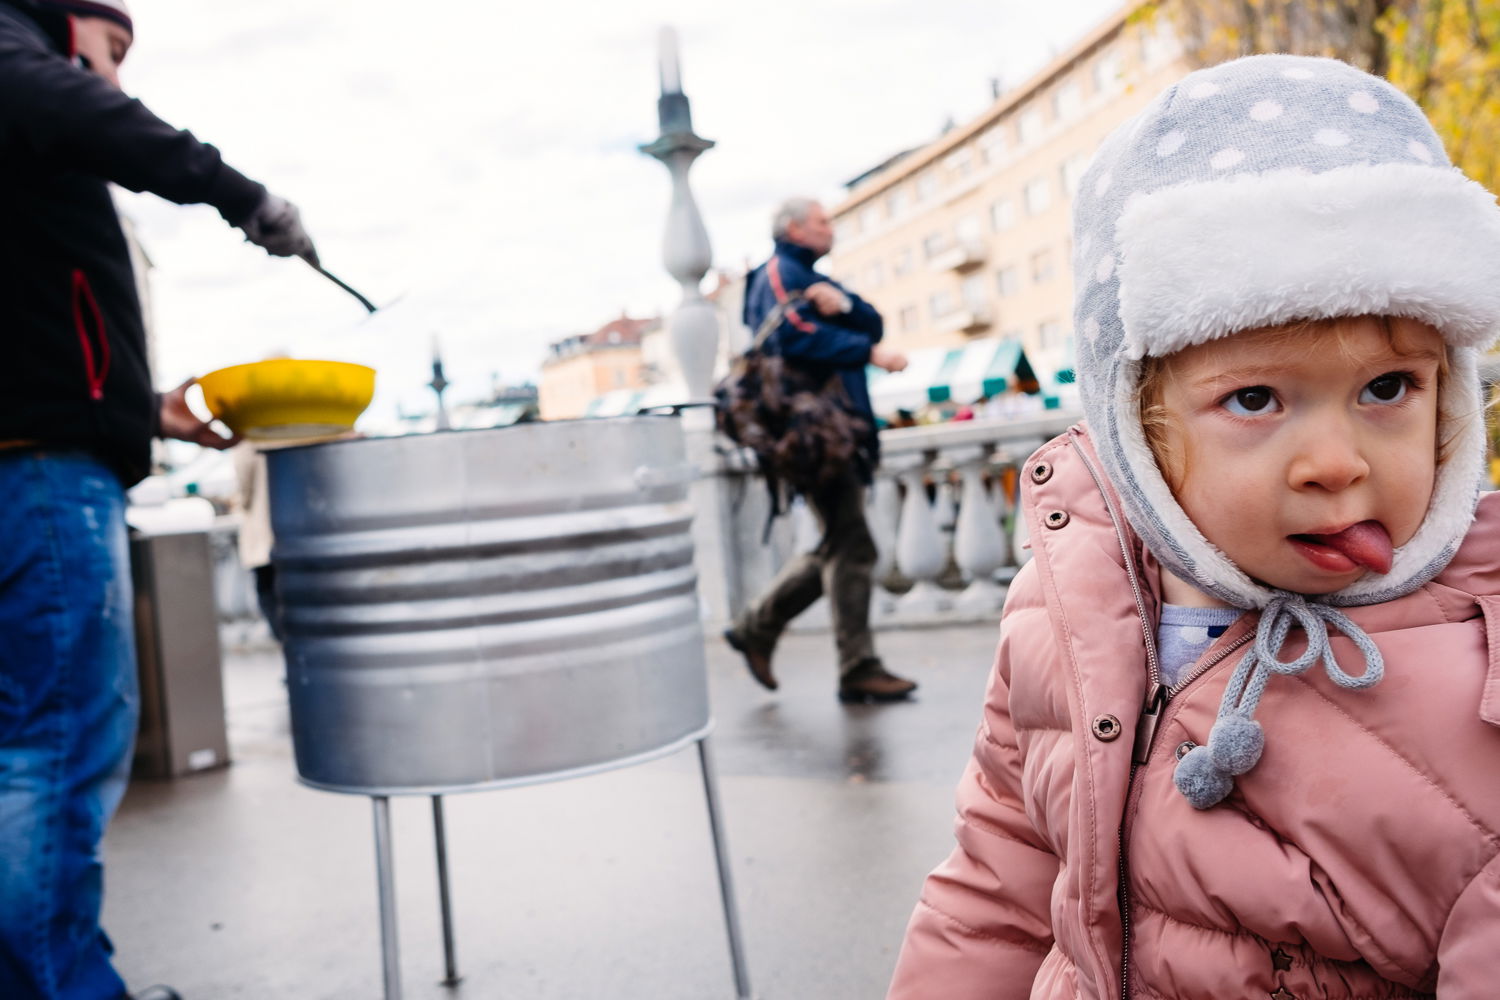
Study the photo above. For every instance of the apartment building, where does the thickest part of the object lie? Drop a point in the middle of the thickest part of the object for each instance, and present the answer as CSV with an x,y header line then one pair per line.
x,y
585,367
969,237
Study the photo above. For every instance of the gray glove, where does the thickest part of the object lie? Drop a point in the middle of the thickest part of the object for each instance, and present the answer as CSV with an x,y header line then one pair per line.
x,y
276,225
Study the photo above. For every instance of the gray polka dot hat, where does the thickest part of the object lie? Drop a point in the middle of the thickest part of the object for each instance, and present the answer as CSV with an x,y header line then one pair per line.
x,y
1263,190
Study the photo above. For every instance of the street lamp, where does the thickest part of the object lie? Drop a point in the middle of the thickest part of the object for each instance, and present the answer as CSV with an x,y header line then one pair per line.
x,y
437,385
694,326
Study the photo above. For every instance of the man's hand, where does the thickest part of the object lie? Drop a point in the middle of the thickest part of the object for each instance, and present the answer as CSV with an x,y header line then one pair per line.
x,y
276,225
888,358
181,423
827,299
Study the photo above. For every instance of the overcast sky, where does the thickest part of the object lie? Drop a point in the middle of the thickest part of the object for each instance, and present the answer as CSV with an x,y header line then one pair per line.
x,y
478,160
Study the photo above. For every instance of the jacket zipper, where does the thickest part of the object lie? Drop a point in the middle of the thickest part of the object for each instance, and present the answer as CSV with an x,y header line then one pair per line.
x,y
86,307
1156,702
1145,734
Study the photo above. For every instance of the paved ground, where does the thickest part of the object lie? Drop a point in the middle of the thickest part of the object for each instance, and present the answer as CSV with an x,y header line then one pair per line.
x,y
243,883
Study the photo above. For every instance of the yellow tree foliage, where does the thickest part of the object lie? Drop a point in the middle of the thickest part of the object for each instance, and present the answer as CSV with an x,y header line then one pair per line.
x,y
1445,54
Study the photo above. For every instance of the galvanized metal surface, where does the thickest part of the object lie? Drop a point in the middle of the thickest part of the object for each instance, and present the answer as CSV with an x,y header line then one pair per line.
x,y
478,609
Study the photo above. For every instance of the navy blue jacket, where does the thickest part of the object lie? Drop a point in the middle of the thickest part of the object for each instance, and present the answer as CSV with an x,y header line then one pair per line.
x,y
818,344
75,372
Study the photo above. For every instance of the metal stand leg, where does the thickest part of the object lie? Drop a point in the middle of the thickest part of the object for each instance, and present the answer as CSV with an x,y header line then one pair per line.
x,y
726,882
450,965
386,876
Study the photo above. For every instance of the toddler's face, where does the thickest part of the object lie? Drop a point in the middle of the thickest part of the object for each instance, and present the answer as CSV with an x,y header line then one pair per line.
x,y
1306,460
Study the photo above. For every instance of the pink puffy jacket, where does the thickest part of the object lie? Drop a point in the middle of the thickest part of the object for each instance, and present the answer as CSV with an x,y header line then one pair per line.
x,y
1357,860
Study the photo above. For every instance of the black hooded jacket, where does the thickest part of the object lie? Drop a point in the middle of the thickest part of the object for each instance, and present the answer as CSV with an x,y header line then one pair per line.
x,y
75,372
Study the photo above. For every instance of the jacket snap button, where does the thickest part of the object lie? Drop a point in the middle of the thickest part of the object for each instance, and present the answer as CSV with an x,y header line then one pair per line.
x,y
1184,748
1057,519
1107,728
1041,472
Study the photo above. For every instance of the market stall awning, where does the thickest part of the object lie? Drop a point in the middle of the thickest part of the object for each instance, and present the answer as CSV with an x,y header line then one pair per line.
x,y
960,374
616,403
983,368
1059,388
907,389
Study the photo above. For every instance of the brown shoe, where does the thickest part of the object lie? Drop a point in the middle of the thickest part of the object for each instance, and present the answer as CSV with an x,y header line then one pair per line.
x,y
757,660
870,681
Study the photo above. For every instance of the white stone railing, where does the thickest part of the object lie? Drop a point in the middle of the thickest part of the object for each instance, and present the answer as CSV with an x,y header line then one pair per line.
x,y
941,511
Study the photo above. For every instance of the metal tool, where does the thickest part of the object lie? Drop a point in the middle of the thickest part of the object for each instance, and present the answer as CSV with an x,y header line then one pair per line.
x,y
362,300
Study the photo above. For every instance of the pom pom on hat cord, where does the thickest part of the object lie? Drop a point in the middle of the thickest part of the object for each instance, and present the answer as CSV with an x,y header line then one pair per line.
x,y
1205,775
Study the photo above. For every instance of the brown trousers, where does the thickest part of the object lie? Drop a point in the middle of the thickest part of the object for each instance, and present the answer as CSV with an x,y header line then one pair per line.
x,y
841,566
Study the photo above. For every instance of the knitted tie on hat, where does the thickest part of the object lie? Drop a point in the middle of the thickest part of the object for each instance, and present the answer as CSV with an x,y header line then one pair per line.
x,y
1205,775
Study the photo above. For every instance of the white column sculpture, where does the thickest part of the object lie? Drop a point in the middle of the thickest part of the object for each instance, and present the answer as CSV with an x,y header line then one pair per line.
x,y
883,513
979,545
919,550
694,326
693,330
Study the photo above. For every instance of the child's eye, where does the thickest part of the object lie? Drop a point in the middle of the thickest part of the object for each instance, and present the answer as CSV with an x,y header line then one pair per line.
x,y
1388,388
1251,401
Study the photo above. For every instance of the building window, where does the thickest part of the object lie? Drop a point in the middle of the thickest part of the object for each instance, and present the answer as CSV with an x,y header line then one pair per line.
x,y
969,229
875,275
895,202
934,244
992,144
1158,44
926,185
869,217
1038,196
908,319
1008,281
844,230
960,162
1107,73
1072,172
1066,101
1002,215
940,304
903,262
1049,335
973,293
1042,267
1029,127
619,378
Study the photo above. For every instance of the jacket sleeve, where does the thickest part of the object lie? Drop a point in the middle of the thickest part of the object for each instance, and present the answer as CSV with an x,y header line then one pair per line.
x,y
805,336
1468,958
983,923
863,317
54,110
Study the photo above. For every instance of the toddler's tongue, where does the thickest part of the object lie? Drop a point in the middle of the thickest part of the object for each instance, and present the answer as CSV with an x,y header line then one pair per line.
x,y
1366,543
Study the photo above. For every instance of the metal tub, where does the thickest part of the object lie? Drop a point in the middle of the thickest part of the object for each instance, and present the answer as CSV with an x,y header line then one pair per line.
x,y
478,609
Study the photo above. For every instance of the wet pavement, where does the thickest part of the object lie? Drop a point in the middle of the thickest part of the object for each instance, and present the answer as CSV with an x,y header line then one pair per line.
x,y
243,883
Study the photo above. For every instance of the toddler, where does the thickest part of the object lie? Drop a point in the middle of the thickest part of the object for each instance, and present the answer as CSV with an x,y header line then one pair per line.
x,y
1242,738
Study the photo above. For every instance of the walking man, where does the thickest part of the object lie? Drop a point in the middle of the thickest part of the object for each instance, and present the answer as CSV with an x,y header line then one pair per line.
x,y
77,415
834,331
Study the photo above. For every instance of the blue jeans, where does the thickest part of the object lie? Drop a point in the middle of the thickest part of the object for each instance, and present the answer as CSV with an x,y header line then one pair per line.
x,y
68,711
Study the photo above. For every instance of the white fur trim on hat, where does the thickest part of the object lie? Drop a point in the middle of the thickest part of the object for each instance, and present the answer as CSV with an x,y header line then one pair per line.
x,y
1202,260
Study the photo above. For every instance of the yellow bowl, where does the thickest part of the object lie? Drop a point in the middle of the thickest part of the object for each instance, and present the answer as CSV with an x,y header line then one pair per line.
x,y
288,397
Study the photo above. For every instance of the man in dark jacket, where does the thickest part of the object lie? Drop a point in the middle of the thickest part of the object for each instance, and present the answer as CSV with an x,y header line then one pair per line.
x,y
77,414
835,331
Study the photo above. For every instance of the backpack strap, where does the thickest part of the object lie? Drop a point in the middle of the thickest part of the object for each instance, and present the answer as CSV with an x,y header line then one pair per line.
x,y
773,320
